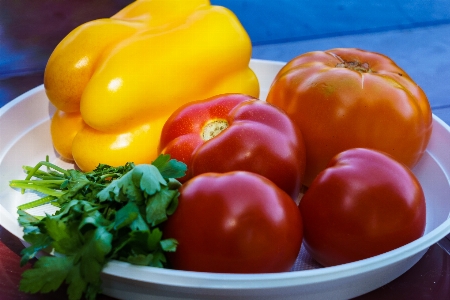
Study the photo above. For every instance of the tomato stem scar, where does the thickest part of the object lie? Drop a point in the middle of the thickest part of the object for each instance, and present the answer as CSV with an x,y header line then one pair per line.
x,y
213,128
355,66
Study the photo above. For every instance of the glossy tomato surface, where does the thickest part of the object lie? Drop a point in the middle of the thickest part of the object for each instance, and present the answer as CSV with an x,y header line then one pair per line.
x,y
348,98
235,132
363,204
237,222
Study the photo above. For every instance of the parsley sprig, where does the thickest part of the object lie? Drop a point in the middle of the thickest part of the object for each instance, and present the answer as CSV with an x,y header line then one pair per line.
x,y
109,213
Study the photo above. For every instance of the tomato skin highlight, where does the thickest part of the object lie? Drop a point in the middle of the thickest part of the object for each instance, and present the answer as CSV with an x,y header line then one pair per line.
x,y
363,204
350,98
259,138
237,222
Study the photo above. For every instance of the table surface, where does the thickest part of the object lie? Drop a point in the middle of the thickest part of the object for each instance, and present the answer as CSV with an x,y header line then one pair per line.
x,y
415,34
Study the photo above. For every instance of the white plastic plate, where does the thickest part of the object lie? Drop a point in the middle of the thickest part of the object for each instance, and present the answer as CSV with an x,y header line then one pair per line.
x,y
25,140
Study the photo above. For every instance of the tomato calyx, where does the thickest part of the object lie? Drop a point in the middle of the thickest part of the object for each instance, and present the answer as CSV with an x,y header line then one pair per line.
x,y
212,128
362,67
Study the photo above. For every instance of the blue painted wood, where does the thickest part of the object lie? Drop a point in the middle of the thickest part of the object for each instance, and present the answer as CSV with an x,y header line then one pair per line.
x,y
270,22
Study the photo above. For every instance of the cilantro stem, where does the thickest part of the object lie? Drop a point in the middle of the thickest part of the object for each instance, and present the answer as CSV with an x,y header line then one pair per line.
x,y
36,203
42,174
40,182
110,175
47,164
35,187
33,171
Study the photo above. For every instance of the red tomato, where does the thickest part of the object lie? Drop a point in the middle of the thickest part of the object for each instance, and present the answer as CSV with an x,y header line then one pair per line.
x,y
237,222
363,204
235,132
350,98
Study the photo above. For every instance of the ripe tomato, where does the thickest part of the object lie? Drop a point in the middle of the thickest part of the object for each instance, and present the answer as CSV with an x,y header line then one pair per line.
x,y
236,222
235,132
350,98
363,204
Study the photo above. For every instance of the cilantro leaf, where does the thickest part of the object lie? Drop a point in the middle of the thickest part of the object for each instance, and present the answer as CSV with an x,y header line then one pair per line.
x,y
28,222
157,205
65,235
38,242
170,168
126,215
121,190
93,253
148,179
169,245
77,285
48,273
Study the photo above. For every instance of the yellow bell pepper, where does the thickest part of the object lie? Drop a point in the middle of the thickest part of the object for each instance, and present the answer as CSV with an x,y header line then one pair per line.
x,y
115,81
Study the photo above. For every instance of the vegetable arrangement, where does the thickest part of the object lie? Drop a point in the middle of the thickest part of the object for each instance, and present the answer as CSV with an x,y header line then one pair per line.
x,y
339,132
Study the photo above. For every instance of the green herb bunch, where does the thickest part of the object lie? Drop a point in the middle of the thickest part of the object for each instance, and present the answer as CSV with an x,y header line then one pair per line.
x,y
109,213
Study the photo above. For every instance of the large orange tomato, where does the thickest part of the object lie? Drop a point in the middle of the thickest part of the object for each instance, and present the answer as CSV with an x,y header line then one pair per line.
x,y
349,98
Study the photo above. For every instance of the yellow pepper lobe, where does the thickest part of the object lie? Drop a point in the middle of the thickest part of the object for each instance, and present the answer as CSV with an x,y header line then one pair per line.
x,y
213,128
155,13
165,69
91,147
63,127
139,66
72,63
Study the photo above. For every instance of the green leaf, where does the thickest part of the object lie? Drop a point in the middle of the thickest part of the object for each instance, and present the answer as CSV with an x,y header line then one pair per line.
x,y
121,190
65,236
139,224
25,219
139,242
156,209
47,275
140,259
37,242
169,168
156,259
173,204
94,218
159,260
93,255
146,241
76,284
148,179
76,184
153,239
126,215
28,222
169,245
173,184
